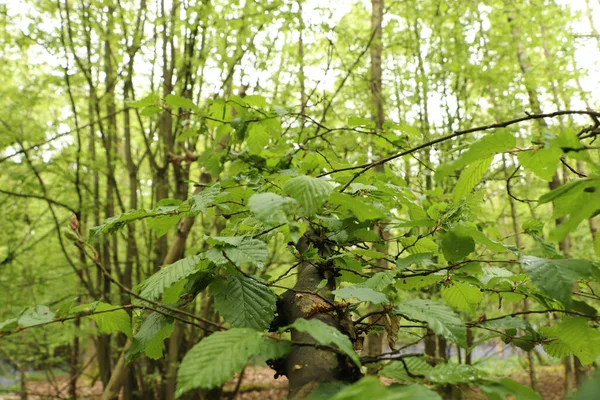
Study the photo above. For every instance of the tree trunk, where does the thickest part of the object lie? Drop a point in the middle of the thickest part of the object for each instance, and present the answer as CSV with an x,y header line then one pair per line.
x,y
306,366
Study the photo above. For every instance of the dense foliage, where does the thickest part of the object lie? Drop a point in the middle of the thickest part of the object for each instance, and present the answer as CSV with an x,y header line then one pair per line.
x,y
201,186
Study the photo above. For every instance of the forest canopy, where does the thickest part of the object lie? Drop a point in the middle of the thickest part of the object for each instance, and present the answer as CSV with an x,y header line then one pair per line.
x,y
359,199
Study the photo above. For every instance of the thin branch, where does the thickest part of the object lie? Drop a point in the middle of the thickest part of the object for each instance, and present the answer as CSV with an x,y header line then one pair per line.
x,y
365,167
39,197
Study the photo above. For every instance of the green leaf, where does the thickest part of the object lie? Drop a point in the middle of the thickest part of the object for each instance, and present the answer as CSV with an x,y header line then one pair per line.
x,y
270,207
196,204
151,111
418,282
150,100
485,147
271,348
244,302
367,387
252,251
508,323
37,315
326,391
417,245
556,277
362,210
115,223
150,336
423,259
380,280
507,387
454,374
155,285
362,294
541,162
161,225
326,335
440,318
8,325
311,193
112,321
573,336
216,359
258,137
413,391
479,237
200,201
176,102
462,296
470,177
361,187
573,186
396,369
456,247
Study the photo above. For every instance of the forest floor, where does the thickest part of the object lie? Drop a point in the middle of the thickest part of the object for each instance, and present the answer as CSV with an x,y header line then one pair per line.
x,y
259,384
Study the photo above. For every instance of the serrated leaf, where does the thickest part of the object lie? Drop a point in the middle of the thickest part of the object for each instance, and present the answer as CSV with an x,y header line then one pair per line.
x,y
380,280
454,374
361,293
485,147
494,272
155,285
507,387
150,336
37,315
200,201
541,162
311,193
239,249
423,259
440,318
112,321
462,296
161,225
216,359
362,210
470,177
252,251
150,111
367,387
573,336
556,277
244,302
149,100
196,204
258,138
326,391
8,325
115,223
270,207
326,335
271,348
417,245
412,391
418,282
508,323
396,369
479,237
176,102
456,247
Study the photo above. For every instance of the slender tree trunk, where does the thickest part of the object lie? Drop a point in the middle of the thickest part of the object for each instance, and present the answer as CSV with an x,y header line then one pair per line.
x,y
375,341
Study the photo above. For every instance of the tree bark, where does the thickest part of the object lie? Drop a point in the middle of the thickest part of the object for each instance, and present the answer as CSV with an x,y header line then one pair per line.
x,y
306,366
